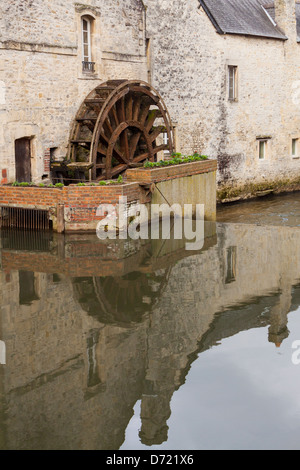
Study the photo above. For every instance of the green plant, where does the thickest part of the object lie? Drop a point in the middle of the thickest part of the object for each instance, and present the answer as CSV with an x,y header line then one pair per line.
x,y
176,159
59,185
80,184
120,179
102,183
23,183
41,185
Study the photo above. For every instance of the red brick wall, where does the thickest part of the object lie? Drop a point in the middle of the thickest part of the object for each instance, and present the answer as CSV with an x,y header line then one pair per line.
x,y
81,201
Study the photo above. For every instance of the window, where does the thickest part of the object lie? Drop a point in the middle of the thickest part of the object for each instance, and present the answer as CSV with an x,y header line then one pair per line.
x,y
294,148
232,82
87,64
262,149
166,142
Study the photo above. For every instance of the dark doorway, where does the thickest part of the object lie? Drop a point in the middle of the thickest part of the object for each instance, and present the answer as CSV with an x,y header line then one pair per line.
x,y
23,160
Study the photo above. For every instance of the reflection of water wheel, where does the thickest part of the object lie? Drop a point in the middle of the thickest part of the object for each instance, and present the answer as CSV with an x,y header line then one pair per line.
x,y
117,127
123,300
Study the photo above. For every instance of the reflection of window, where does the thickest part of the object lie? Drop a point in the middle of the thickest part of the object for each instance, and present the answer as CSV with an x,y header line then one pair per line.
x,y
231,265
27,293
93,377
87,64
2,353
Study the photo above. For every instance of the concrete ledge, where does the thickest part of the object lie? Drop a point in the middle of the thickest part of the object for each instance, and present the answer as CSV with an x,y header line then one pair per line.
x,y
155,175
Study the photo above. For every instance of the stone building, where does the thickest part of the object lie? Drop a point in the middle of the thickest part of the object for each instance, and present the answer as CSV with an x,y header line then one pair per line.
x,y
52,54
228,71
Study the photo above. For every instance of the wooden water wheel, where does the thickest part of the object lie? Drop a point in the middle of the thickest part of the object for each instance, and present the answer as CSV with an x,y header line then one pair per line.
x,y
118,126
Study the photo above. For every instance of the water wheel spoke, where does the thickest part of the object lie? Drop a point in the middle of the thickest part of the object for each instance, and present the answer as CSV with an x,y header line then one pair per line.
x,y
118,169
128,107
156,132
141,157
108,127
120,106
101,150
116,153
152,116
124,144
136,108
90,125
113,116
160,148
145,107
133,144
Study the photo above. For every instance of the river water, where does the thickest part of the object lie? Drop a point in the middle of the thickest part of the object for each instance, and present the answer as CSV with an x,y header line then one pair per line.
x,y
129,345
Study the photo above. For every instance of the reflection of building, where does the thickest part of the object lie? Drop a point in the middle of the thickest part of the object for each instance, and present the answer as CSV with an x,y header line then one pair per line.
x,y
75,366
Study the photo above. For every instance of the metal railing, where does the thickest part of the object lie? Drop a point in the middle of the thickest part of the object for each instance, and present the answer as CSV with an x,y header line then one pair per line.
x,y
88,66
29,219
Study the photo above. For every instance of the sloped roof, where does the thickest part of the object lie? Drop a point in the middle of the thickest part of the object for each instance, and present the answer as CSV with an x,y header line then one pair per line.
x,y
244,17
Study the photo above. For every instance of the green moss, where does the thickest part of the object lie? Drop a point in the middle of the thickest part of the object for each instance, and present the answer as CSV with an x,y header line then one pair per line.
x,y
251,190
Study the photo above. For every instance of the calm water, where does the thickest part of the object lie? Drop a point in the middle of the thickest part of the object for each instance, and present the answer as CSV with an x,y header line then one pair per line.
x,y
144,345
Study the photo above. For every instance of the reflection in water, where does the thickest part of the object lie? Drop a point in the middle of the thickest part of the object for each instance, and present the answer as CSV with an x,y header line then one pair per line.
x,y
270,210
91,328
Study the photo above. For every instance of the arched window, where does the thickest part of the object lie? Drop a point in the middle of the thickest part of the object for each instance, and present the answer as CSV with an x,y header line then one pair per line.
x,y
86,28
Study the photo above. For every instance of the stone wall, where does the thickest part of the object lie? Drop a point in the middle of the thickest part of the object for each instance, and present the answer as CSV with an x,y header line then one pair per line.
x,y
41,80
189,68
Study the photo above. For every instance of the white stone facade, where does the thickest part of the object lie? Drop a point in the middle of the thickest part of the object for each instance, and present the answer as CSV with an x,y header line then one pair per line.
x,y
190,69
42,82
174,46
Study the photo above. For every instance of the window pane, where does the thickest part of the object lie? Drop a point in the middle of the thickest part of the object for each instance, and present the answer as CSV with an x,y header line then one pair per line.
x,y
84,25
232,82
262,145
86,41
294,147
85,38
86,52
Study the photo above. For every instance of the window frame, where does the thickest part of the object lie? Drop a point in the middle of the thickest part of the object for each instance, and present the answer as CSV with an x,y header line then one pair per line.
x,y
295,151
88,65
262,146
232,76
